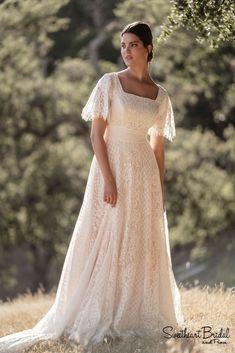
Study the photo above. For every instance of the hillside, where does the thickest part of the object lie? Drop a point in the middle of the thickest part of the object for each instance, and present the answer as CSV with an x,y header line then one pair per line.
x,y
213,306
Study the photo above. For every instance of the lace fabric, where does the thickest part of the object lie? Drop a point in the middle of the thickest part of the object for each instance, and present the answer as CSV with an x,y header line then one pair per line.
x,y
117,278
98,103
165,122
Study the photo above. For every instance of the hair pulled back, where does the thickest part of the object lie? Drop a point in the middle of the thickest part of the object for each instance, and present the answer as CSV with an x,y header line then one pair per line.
x,y
143,31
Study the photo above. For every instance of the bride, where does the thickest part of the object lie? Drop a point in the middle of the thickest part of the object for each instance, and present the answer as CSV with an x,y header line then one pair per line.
x,y
117,277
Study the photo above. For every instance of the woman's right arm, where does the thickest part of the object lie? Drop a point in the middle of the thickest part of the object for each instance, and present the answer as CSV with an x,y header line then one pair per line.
x,y
99,146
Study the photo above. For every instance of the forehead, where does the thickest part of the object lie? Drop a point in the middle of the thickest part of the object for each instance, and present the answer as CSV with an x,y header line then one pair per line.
x,y
130,37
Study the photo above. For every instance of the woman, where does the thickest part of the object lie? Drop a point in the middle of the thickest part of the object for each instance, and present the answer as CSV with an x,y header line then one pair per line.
x,y
117,277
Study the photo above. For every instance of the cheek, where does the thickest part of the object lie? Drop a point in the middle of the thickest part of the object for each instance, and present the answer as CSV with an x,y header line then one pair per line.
x,y
140,52
122,51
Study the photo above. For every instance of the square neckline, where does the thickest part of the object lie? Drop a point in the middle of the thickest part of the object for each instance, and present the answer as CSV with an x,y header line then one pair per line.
x,y
136,95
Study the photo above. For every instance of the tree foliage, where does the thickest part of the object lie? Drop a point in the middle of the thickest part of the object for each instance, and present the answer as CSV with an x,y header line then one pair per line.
x,y
200,187
42,164
212,21
200,81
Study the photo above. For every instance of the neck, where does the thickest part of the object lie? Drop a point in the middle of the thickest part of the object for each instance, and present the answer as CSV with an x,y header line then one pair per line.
x,y
139,73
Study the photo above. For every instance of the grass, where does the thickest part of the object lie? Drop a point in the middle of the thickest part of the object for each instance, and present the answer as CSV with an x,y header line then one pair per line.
x,y
213,306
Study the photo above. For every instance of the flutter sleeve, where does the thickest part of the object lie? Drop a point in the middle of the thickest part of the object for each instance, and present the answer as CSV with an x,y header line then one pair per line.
x,y
99,102
165,122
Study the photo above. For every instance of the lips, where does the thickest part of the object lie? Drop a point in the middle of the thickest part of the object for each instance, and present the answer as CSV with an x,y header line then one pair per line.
x,y
128,57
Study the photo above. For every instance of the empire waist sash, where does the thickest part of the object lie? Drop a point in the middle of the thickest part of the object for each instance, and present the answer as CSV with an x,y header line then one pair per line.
x,y
122,133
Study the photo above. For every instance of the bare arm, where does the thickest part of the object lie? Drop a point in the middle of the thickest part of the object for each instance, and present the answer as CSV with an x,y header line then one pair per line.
x,y
99,146
157,144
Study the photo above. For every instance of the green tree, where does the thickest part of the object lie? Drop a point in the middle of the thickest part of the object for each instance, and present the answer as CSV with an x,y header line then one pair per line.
x,y
200,187
212,21
43,165
199,80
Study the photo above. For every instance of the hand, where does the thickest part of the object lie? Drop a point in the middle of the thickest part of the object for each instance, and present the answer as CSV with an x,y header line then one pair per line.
x,y
110,191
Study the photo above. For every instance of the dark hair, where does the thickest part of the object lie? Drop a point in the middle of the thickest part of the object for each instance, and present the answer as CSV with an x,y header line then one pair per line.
x,y
143,31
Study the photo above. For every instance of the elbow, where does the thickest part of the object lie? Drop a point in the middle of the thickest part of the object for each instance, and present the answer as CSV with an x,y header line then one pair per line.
x,y
95,137
92,138
97,130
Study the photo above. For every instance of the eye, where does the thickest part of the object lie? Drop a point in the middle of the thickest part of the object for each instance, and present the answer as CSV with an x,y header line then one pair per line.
x,y
134,44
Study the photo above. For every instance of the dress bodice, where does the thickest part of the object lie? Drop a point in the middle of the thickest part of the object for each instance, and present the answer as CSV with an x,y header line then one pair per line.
x,y
129,112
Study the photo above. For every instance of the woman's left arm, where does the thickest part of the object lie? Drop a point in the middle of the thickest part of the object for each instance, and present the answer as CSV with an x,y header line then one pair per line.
x,y
157,144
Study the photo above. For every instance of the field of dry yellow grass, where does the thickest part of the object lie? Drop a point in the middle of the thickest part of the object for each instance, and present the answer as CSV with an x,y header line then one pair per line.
x,y
212,306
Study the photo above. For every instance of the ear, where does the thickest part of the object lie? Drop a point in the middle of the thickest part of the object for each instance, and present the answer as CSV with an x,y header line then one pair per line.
x,y
150,48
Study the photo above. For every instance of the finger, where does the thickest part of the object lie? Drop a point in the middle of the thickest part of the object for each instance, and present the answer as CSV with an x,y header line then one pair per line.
x,y
111,199
114,201
106,198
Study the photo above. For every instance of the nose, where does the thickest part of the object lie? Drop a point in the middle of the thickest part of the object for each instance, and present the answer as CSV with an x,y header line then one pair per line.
x,y
126,50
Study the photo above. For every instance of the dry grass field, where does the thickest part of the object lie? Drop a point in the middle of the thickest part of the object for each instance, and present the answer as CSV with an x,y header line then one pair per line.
x,y
213,306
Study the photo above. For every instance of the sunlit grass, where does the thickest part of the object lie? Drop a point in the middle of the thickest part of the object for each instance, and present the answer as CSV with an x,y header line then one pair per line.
x,y
213,306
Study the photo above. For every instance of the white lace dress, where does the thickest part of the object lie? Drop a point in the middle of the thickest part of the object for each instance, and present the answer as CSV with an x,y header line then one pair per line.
x,y
117,277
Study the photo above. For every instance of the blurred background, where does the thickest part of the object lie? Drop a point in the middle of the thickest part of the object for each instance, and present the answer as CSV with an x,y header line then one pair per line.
x,y
51,55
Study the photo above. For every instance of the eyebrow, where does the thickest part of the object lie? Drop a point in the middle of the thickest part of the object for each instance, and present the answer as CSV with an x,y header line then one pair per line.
x,y
134,41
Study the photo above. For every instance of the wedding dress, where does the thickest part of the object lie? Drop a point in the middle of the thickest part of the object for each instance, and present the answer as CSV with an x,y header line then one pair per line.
x,y
117,276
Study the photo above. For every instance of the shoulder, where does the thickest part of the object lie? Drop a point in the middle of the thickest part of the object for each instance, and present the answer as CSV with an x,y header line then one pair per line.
x,y
165,98
163,94
104,83
162,88
106,78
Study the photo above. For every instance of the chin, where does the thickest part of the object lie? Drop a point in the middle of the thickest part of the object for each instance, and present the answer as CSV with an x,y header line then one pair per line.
x,y
129,63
